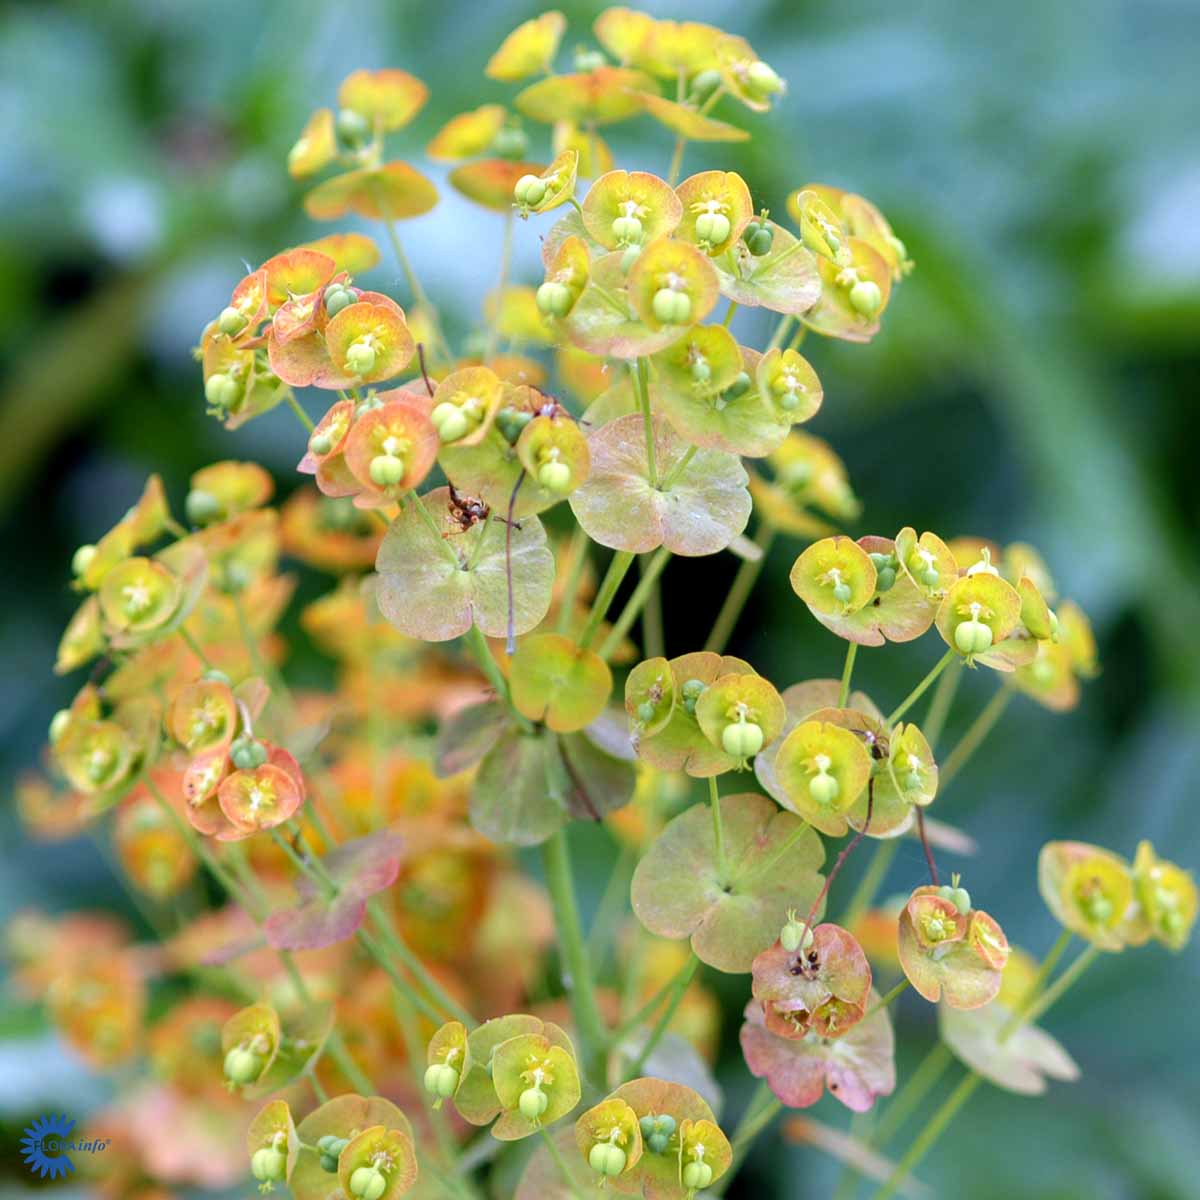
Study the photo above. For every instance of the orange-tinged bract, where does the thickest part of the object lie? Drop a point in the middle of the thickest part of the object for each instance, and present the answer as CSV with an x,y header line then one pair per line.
x,y
358,820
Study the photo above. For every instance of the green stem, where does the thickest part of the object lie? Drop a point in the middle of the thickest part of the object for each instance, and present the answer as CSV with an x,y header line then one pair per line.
x,y
869,884
714,804
1055,991
195,647
493,341
847,672
919,690
678,469
940,705
487,664
621,562
651,1006
1035,988
733,307
556,862
973,738
301,415
678,987
578,556
785,323
907,1099
564,1170
676,161
930,1133
641,384
635,603
400,982
761,1111
739,591
886,999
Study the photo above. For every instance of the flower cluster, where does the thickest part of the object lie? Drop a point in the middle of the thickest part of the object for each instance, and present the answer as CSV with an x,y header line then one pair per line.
x,y
364,837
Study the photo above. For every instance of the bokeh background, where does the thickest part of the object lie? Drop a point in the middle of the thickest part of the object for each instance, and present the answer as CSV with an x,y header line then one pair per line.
x,y
1036,379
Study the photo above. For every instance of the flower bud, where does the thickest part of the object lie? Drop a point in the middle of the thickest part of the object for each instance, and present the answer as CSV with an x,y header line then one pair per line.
x,y
742,739
972,636
712,227
202,508
554,476
511,143
554,299
269,1165
450,421
247,754
759,238
671,307
533,1103
696,1176
360,358
82,558
529,190
627,229
865,298
352,127
368,1183
337,296
691,692
607,1159
441,1080
231,322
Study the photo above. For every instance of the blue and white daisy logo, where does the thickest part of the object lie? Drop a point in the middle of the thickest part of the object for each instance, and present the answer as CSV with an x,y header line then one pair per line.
x,y
45,1144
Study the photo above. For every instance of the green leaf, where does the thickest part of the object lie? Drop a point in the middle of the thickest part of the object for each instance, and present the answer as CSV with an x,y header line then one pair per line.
x,y
430,594
784,280
513,801
706,507
677,890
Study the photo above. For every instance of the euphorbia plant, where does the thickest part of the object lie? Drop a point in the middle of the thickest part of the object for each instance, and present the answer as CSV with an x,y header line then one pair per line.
x,y
375,969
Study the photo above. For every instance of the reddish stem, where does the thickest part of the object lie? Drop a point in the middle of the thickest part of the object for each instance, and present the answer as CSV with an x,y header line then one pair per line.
x,y
933,871
845,854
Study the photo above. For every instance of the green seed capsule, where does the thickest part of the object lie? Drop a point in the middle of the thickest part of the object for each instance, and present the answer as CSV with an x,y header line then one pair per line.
x,y
368,1183
705,83
691,692
246,753
842,593
885,579
242,1066
697,1175
532,1103
647,1125
789,401
658,1142
360,358
511,143
320,444
607,1159
930,578
554,476
913,781
794,936
268,1165
329,1163
701,371
627,229
510,422
645,712
450,421
742,739
82,559
352,127
202,508
665,1123
961,899
759,238
231,322
866,298
337,297
386,470
712,228
441,1080
823,788
762,81
671,307
739,387
629,256
554,299
325,1144
587,59
221,391
972,637
529,191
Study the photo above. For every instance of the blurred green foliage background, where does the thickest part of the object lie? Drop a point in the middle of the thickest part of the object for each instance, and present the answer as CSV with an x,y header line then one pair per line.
x,y
1035,380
